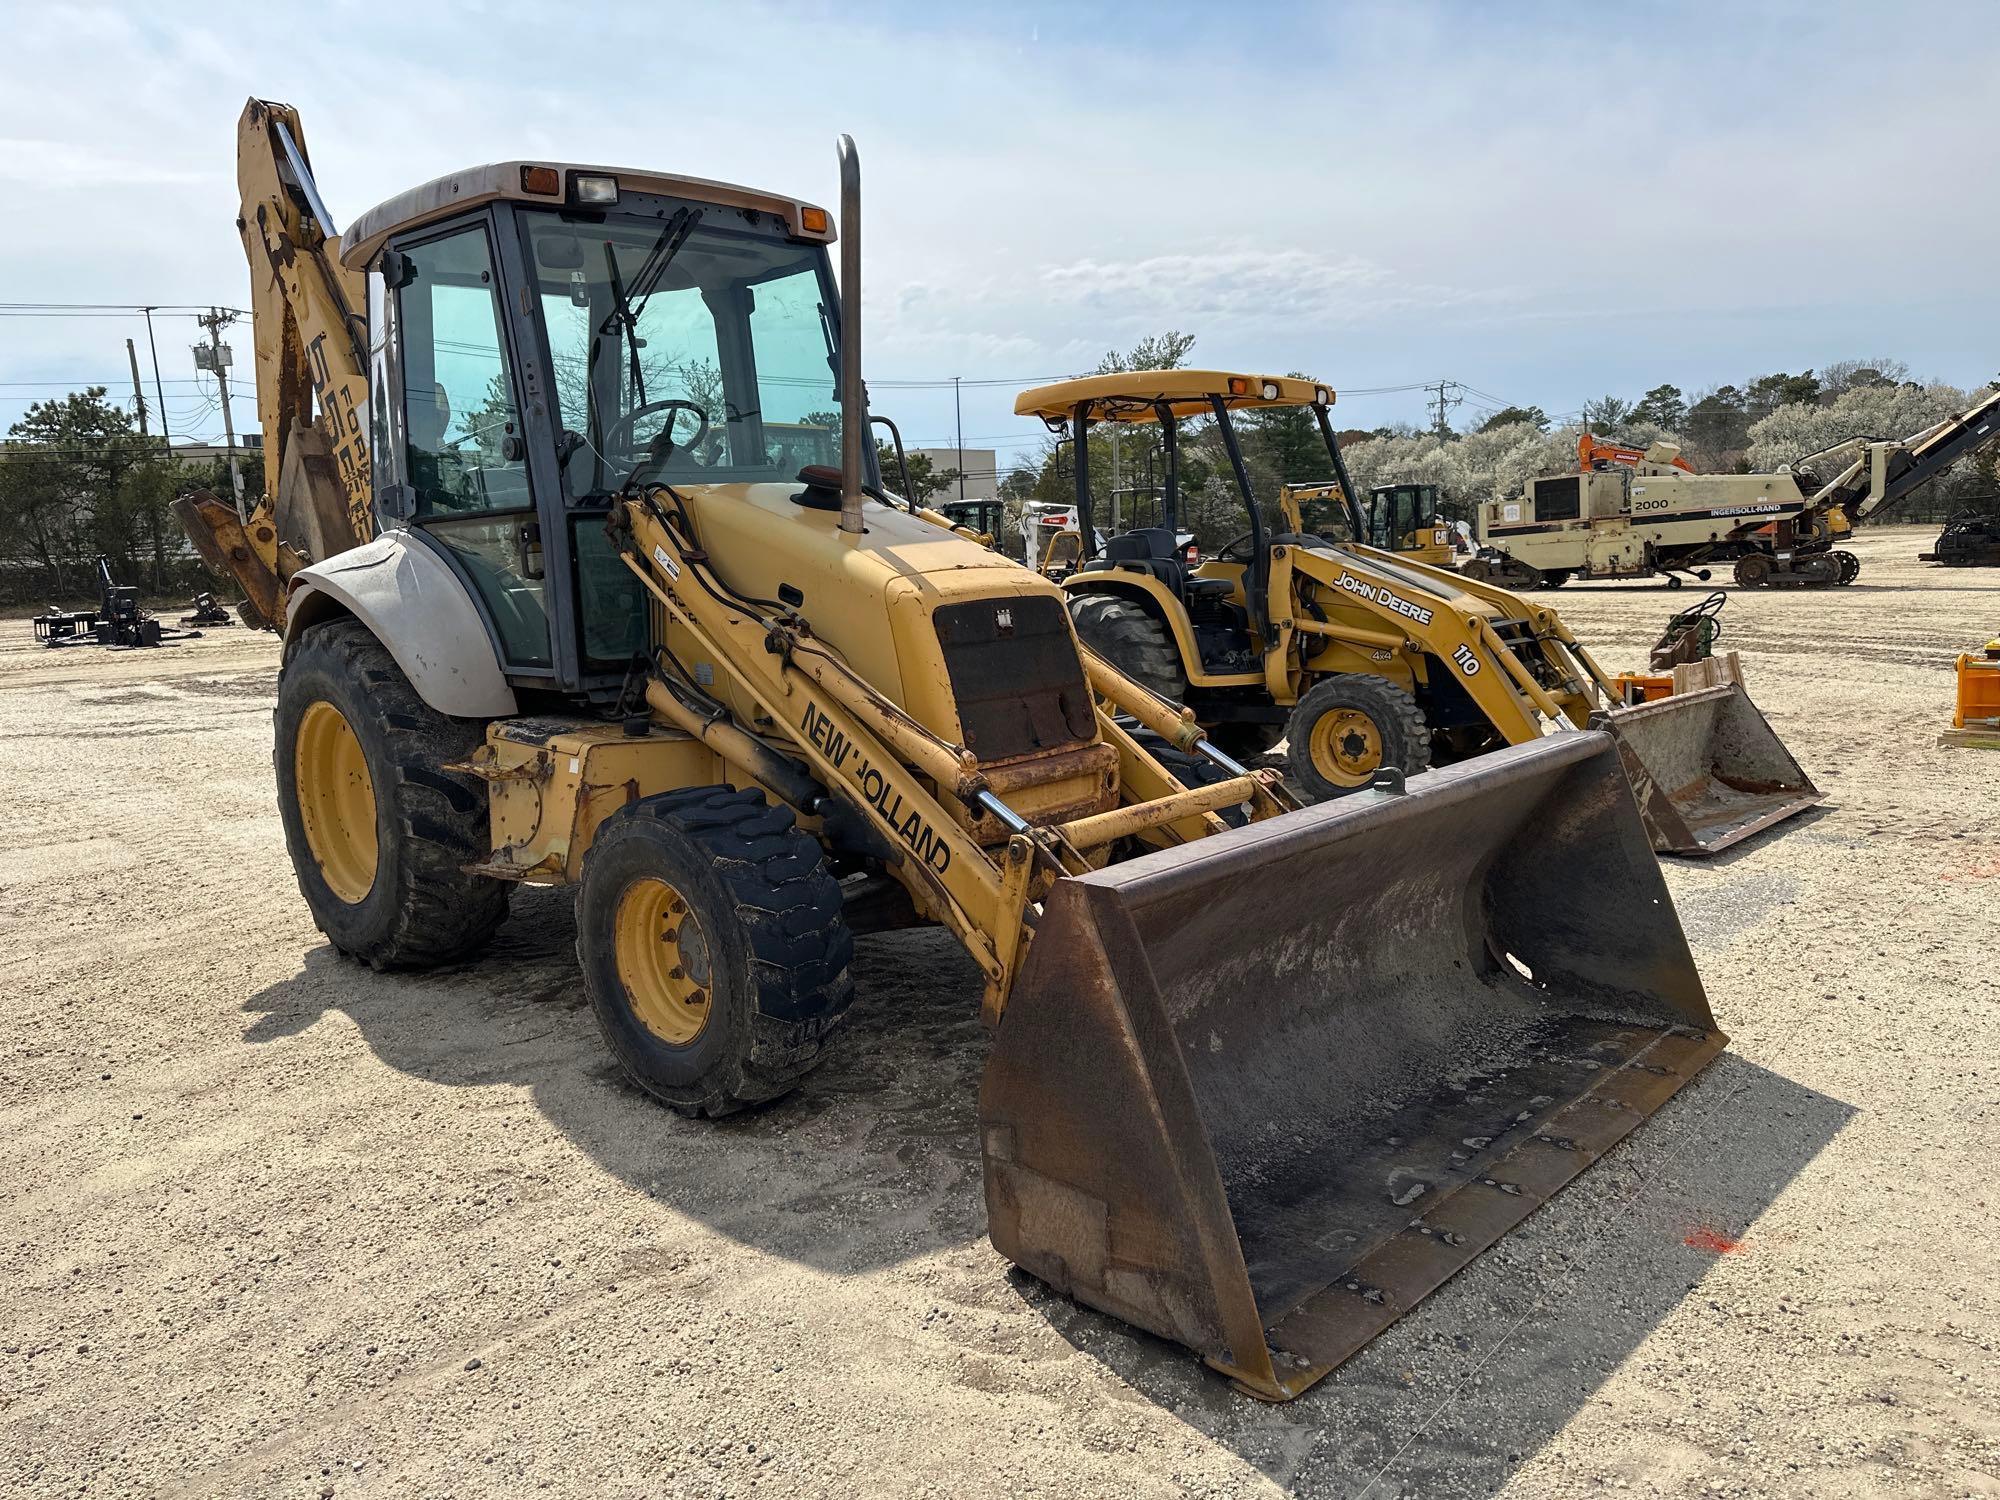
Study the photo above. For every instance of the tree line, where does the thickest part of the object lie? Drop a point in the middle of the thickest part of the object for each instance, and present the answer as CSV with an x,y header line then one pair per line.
x,y
1764,423
78,481
1767,423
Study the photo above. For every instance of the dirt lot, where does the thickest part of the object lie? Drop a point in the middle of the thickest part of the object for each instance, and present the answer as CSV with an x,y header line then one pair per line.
x,y
271,1224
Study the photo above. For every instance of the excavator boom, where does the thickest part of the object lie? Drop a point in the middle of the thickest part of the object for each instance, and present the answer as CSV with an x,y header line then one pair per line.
x,y
311,334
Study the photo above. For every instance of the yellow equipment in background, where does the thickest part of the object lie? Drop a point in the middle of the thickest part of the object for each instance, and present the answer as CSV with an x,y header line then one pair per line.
x,y
613,634
1399,518
1364,660
1975,721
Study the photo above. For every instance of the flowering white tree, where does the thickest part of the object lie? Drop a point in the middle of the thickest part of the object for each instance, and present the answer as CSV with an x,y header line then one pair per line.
x,y
1481,466
1875,411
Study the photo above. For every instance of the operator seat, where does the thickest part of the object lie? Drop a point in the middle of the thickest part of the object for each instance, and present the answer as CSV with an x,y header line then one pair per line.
x,y
1154,550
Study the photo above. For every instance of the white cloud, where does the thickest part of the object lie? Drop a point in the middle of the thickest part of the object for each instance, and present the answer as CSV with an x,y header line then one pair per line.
x,y
1375,193
68,165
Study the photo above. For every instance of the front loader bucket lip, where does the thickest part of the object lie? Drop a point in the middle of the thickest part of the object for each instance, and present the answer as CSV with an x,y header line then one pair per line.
x,y
1456,1000
1744,779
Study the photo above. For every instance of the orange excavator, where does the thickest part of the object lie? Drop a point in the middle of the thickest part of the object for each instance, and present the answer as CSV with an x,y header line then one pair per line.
x,y
1594,454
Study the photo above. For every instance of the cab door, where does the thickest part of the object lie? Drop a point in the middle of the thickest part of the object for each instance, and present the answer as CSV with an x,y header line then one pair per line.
x,y
466,485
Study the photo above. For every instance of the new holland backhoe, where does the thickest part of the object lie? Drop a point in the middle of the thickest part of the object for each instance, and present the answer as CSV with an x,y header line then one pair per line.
x,y
639,620
1362,659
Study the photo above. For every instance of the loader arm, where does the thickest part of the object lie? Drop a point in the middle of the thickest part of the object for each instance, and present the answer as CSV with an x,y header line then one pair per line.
x,y
310,328
1539,678
870,758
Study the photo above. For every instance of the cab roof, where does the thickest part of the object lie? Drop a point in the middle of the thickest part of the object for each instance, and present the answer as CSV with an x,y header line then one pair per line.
x,y
507,181
1136,395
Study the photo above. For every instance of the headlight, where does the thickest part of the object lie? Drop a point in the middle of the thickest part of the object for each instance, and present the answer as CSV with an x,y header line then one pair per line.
x,y
597,191
1270,390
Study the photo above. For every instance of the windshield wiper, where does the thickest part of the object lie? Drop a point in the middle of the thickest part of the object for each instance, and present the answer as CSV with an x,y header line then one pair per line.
x,y
627,306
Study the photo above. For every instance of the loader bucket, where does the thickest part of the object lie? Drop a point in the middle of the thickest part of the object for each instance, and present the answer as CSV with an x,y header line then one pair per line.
x,y
1707,768
1262,1093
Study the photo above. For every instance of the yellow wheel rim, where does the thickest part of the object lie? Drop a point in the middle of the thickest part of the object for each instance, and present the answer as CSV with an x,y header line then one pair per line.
x,y
663,961
336,801
1346,747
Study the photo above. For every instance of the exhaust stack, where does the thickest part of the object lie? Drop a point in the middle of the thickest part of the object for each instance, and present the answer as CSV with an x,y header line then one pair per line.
x,y
853,399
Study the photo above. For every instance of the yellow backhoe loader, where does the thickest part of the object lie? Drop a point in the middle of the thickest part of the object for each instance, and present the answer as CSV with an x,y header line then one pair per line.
x,y
1363,659
612,634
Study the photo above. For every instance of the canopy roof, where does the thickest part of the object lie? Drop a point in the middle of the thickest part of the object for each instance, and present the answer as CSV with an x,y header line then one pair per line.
x,y
1137,395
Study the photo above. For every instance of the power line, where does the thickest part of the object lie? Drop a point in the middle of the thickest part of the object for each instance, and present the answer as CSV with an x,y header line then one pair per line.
x,y
57,309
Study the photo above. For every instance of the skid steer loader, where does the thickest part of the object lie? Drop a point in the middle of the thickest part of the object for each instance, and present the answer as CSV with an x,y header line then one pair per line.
x,y
1362,658
611,634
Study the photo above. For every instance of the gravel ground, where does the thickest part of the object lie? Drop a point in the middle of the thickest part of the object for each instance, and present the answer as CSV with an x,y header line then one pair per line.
x,y
272,1224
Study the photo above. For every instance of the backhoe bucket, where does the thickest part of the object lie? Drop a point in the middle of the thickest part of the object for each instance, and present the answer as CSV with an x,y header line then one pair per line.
x,y
1262,1093
1707,768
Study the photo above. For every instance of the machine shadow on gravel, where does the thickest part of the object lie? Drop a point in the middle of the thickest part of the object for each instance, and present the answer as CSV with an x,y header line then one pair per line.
x,y
874,1159
1451,1400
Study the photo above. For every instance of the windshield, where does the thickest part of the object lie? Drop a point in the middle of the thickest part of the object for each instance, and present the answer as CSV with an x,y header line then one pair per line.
x,y
700,326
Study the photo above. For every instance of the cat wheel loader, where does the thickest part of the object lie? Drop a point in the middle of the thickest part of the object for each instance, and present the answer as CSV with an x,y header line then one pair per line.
x,y
611,633
1362,659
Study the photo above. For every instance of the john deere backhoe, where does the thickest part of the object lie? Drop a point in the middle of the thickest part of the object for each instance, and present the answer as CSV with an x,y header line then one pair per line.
x,y
613,633
1364,659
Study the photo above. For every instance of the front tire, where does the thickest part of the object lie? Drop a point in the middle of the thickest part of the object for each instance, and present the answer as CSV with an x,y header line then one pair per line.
x,y
713,947
1120,631
1347,728
379,832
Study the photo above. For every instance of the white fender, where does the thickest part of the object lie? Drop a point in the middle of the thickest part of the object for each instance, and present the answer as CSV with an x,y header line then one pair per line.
x,y
419,609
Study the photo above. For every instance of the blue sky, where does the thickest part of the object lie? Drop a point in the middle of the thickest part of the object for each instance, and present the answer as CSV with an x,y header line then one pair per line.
x,y
1544,201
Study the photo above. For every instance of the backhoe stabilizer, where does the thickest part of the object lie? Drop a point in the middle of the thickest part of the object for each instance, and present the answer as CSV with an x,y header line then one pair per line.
x,y
1707,768
1262,1093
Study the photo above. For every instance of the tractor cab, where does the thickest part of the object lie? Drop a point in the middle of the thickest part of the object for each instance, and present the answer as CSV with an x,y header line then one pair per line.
x,y
544,335
1224,600
1404,518
981,517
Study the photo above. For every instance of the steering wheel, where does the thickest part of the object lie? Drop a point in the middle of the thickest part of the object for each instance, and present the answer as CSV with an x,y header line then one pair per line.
x,y
1237,550
618,436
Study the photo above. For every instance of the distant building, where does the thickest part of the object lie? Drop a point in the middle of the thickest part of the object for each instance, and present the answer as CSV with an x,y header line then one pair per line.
x,y
246,443
980,465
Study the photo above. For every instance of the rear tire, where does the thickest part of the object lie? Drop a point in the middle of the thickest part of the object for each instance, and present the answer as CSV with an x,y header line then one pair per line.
x,y
1346,728
401,898
1120,631
713,947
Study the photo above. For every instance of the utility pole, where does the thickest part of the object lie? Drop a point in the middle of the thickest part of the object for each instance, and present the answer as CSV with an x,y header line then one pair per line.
x,y
958,416
1444,397
217,360
159,389
138,396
